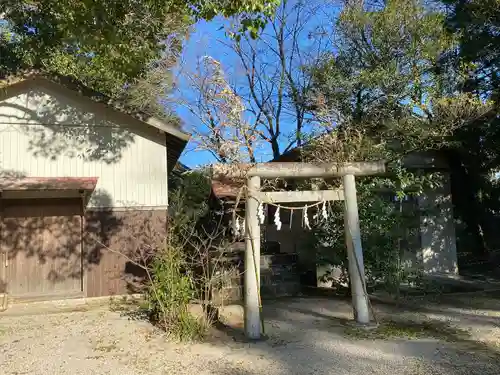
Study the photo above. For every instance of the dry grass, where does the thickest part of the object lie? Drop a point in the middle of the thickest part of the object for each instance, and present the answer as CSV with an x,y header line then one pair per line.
x,y
106,348
411,330
457,334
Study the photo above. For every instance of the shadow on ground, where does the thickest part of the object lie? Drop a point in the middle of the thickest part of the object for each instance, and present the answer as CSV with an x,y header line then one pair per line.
x,y
315,331
315,335
304,336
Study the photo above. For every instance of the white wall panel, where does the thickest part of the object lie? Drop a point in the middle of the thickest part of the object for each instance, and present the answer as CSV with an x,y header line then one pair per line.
x,y
44,135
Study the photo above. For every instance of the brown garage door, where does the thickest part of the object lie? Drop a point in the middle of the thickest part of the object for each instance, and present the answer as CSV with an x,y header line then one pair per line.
x,y
41,247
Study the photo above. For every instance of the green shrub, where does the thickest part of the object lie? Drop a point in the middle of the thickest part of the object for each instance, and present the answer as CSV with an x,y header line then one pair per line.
x,y
390,225
174,281
169,294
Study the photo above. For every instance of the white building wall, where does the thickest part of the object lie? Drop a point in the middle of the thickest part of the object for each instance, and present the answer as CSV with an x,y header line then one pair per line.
x,y
437,231
45,135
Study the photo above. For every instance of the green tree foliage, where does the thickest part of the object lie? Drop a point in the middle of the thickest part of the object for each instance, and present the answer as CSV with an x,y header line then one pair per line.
x,y
476,158
110,46
389,233
389,89
101,42
189,191
10,60
388,80
477,23
252,13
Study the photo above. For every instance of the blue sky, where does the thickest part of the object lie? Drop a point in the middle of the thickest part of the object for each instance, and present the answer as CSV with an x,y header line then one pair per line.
x,y
204,40
208,38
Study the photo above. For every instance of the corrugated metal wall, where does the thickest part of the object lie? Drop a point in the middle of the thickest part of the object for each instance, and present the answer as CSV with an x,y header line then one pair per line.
x,y
44,135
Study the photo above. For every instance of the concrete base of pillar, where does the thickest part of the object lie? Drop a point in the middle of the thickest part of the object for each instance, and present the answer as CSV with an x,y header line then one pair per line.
x,y
254,341
363,326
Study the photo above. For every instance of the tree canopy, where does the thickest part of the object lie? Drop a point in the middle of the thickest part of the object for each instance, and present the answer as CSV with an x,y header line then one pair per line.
x,y
109,45
390,81
476,159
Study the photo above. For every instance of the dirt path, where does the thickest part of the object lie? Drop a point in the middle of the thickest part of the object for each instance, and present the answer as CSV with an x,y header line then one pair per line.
x,y
304,338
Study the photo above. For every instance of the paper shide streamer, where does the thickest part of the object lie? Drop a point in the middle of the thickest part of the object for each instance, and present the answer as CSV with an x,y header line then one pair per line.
x,y
277,218
306,218
239,229
260,213
321,214
323,211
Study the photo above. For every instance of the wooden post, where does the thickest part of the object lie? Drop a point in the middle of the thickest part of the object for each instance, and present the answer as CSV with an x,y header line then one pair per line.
x,y
355,252
4,256
252,261
83,278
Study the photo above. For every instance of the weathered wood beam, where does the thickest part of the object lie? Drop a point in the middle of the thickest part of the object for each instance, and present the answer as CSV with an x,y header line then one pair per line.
x,y
297,170
355,252
252,263
300,196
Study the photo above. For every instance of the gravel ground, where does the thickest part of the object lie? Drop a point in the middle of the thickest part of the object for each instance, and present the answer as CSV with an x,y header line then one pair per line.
x,y
304,338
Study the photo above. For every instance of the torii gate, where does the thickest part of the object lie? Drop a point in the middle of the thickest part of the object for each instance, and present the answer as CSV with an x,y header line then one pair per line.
x,y
287,170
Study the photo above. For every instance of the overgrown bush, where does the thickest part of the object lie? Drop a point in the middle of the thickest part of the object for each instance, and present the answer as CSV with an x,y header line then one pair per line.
x,y
390,225
169,293
183,272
